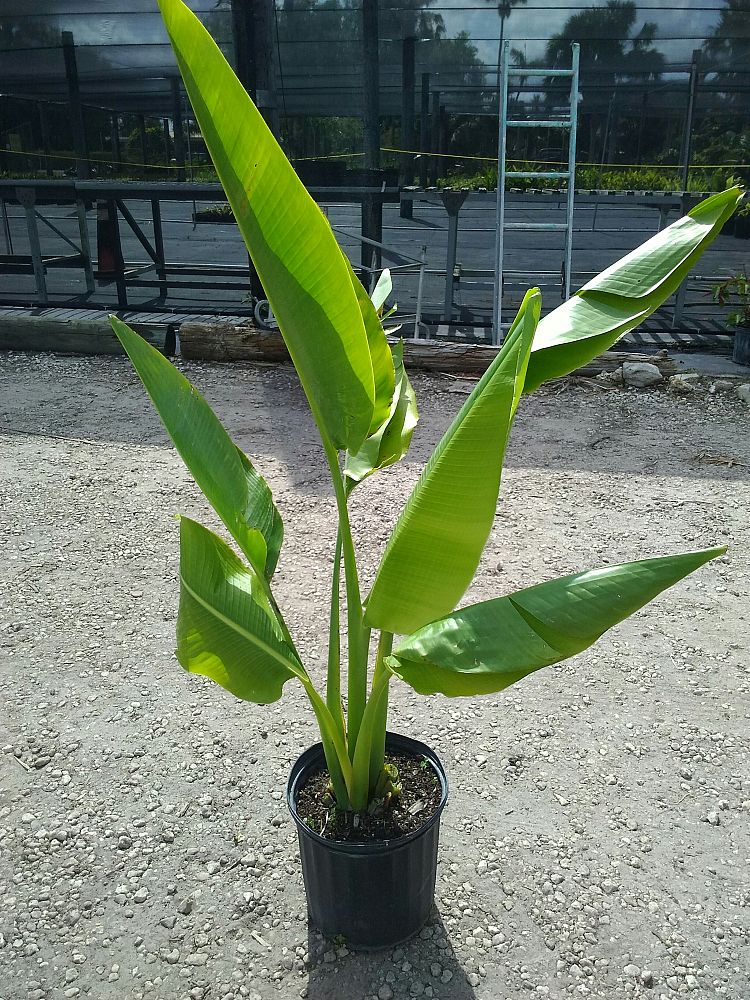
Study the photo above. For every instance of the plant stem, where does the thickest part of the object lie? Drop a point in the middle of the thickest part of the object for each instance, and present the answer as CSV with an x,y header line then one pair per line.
x,y
334,746
357,663
377,753
360,786
333,681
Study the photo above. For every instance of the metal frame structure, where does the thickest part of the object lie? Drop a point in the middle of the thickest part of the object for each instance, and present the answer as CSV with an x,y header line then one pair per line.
x,y
570,124
168,277
109,199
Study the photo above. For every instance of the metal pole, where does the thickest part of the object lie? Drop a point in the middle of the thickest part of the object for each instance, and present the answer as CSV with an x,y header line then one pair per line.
x,y
116,151
420,287
568,263
83,233
443,145
372,209
424,129
179,135
435,135
44,129
167,151
687,140
119,263
243,35
189,155
263,55
76,110
497,305
6,226
371,83
408,48
142,138
159,246
27,198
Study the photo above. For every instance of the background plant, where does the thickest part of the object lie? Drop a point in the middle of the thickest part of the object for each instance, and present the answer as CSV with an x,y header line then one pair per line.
x,y
229,626
735,290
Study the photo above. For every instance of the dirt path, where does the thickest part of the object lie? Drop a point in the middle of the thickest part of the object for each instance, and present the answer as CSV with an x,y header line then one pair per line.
x,y
596,838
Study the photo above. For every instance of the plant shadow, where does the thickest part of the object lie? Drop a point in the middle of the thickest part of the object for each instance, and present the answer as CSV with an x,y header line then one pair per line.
x,y
425,966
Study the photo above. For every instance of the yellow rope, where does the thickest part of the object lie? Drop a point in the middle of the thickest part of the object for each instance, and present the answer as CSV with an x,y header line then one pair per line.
x,y
150,166
409,152
579,163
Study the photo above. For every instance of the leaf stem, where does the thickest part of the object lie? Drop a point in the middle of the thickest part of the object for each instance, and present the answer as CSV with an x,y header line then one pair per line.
x,y
357,663
377,752
333,680
334,746
360,787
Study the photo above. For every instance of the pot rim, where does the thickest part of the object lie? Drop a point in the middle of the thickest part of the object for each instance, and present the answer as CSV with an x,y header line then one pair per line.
x,y
314,756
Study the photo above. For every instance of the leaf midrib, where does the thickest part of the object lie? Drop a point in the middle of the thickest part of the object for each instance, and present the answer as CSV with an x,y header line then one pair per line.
x,y
249,636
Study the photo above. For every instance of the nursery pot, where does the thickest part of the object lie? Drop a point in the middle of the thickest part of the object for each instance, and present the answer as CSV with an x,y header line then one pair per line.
x,y
741,349
375,894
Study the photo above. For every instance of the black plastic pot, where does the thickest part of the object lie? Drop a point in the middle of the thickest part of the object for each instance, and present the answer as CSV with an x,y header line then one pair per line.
x,y
741,349
374,895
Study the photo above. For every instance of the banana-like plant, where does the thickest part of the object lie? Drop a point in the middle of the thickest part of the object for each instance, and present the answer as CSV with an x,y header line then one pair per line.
x,y
229,626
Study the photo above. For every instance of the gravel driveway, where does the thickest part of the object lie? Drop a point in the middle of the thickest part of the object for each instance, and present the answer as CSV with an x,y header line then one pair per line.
x,y
596,839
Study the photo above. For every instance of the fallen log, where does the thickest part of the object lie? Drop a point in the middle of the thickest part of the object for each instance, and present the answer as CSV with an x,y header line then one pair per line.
x,y
63,332
247,342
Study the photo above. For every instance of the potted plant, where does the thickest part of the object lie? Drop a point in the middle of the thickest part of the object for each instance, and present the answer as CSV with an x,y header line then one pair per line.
x,y
736,290
367,803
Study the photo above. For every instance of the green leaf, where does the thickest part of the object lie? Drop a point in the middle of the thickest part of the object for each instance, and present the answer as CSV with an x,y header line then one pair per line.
x,y
226,627
623,295
382,289
436,545
292,246
488,646
391,441
236,491
380,353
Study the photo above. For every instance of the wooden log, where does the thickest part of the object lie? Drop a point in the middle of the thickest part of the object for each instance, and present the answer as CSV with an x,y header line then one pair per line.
x,y
228,342
68,334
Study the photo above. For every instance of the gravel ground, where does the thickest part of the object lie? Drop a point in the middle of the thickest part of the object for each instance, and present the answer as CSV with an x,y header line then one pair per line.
x,y
595,841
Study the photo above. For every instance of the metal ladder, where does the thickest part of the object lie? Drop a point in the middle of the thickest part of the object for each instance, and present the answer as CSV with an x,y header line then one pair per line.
x,y
570,123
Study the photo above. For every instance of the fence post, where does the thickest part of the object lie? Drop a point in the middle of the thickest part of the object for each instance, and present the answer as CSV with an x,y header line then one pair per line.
x,y
687,139
424,130
408,47
76,110
116,148
27,198
179,135
142,138
372,208
44,129
435,136
444,141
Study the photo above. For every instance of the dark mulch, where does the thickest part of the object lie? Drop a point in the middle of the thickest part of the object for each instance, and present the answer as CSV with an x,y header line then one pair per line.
x,y
417,803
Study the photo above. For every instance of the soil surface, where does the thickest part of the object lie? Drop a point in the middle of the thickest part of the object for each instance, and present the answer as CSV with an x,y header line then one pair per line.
x,y
416,802
595,842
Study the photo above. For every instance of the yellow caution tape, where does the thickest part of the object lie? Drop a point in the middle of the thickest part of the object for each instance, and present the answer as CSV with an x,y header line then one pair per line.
x,y
393,149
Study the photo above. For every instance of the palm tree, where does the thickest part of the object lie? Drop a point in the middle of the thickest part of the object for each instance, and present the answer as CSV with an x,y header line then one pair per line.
x,y
504,10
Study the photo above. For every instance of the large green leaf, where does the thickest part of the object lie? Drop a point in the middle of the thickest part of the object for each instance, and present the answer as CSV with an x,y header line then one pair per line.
x,y
623,295
236,491
226,627
488,646
391,441
380,353
291,244
436,545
